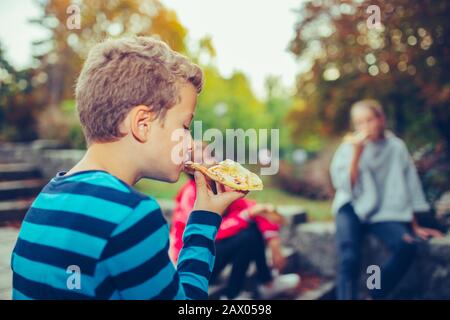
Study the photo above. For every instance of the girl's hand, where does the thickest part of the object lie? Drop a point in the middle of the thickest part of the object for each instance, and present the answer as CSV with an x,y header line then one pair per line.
x,y
427,233
260,209
207,200
278,259
267,211
359,139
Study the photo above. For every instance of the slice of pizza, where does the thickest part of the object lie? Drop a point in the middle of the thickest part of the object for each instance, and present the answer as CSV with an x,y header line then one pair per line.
x,y
354,137
231,174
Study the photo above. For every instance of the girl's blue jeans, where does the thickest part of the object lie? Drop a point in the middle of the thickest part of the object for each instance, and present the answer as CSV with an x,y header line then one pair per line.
x,y
398,238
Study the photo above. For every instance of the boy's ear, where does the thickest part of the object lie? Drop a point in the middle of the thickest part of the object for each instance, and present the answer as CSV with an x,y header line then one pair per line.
x,y
141,118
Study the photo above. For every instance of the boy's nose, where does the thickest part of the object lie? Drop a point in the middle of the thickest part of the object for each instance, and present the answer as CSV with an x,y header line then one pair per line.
x,y
190,143
189,152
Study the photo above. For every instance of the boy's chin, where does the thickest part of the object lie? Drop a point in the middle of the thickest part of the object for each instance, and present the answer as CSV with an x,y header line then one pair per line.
x,y
172,176
173,179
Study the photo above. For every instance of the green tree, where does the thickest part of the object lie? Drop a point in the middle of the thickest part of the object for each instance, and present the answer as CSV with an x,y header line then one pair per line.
x,y
230,103
278,104
61,55
225,102
20,100
404,63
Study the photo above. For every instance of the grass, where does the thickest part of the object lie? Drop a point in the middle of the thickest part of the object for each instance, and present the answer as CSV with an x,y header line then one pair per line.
x,y
161,190
318,210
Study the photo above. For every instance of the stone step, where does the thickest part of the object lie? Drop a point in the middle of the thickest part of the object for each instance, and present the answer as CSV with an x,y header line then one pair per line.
x,y
10,152
10,190
17,152
427,277
13,210
18,171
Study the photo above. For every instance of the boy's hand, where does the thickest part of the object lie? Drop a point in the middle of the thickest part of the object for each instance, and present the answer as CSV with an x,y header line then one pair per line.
x,y
207,200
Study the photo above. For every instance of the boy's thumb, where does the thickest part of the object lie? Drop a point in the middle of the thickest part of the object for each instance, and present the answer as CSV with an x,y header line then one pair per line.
x,y
232,196
200,181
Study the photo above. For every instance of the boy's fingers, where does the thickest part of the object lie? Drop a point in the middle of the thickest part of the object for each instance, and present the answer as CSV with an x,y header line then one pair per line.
x,y
204,187
220,188
200,181
233,195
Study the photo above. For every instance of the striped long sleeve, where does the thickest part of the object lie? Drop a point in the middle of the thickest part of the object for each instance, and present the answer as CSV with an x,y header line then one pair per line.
x,y
91,236
138,262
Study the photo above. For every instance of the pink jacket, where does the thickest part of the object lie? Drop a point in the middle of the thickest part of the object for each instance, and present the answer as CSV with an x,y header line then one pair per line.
x,y
233,221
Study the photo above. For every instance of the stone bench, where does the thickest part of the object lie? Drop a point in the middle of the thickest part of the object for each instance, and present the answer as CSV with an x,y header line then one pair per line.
x,y
428,277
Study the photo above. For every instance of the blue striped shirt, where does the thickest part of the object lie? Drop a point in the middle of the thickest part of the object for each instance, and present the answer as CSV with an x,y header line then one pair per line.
x,y
90,236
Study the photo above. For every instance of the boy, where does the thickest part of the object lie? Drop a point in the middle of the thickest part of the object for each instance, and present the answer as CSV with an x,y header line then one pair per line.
x,y
247,229
89,234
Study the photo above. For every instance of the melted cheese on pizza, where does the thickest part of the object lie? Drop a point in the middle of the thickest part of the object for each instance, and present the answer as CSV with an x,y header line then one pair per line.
x,y
231,174
236,176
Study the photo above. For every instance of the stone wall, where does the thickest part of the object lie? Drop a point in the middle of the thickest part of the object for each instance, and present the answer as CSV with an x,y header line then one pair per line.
x,y
52,161
48,156
428,277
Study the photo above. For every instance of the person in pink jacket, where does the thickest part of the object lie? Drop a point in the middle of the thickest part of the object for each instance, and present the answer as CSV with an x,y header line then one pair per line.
x,y
242,238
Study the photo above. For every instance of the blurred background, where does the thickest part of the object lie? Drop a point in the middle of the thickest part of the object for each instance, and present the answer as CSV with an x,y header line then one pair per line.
x,y
293,65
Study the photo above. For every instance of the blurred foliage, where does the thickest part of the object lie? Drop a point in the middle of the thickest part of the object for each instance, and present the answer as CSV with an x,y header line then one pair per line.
x,y
403,63
74,134
278,104
32,100
61,55
433,165
20,100
228,103
224,103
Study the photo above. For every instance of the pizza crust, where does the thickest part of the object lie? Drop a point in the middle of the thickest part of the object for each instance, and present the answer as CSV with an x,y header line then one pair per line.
x,y
231,174
354,137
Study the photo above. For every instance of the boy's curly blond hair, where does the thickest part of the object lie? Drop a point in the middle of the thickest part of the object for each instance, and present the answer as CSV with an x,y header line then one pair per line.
x,y
121,74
